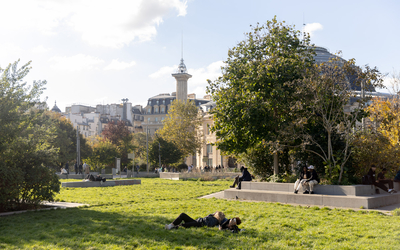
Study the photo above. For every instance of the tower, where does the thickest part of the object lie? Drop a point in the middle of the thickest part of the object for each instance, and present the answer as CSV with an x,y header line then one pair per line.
x,y
181,77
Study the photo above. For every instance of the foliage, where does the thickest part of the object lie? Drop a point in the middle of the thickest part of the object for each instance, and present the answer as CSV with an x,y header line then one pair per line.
x,y
26,141
180,126
65,139
115,220
254,96
327,90
104,152
169,152
120,136
139,143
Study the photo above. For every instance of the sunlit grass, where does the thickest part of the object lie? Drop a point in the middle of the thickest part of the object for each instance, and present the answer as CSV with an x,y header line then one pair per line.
x,y
133,217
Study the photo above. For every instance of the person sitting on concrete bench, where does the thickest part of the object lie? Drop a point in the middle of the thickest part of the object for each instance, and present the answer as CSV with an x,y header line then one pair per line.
x,y
211,220
397,177
371,178
382,179
311,181
63,171
303,177
246,176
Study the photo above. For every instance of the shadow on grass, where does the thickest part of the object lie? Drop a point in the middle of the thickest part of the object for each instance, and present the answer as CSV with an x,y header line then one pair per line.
x,y
86,228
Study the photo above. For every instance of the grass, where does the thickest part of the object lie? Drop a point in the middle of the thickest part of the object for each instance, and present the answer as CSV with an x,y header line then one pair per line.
x,y
133,217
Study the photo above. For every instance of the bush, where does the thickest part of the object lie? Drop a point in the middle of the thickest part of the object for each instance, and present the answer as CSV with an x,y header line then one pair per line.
x,y
10,187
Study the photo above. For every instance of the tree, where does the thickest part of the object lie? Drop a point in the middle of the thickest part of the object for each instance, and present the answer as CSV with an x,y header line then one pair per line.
x,y
254,96
119,135
180,127
104,152
25,143
139,142
65,139
326,89
169,152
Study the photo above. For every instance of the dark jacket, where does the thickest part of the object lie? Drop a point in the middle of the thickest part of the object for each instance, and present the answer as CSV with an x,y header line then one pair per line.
x,y
209,221
307,173
313,176
397,177
246,176
371,175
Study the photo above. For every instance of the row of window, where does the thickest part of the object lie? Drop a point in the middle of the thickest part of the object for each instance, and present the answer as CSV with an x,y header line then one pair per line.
x,y
156,119
156,109
157,102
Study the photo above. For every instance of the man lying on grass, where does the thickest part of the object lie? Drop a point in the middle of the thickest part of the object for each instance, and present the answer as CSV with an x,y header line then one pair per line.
x,y
212,220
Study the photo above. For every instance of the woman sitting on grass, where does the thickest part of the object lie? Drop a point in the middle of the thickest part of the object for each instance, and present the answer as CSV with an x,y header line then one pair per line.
x,y
211,220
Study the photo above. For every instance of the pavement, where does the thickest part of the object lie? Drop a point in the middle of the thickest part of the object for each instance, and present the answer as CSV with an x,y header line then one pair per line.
x,y
52,205
385,210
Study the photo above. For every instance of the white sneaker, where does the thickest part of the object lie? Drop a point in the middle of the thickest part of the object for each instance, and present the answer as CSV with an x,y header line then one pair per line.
x,y
169,226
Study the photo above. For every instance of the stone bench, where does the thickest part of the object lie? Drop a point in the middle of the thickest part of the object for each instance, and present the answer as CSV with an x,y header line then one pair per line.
x,y
82,176
169,175
353,190
211,175
351,196
111,183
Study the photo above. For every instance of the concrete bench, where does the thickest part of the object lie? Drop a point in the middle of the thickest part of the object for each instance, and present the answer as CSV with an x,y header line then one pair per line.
x,y
353,190
211,175
100,183
351,196
169,175
82,176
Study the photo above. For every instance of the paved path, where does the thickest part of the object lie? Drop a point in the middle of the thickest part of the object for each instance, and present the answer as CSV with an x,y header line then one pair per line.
x,y
385,210
52,205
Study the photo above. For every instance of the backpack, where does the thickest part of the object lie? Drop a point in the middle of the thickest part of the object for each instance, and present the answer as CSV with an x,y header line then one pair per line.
x,y
366,180
99,178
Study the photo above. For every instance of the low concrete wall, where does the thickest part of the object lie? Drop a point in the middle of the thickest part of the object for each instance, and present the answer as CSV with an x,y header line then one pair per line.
x,y
169,175
100,183
82,176
350,190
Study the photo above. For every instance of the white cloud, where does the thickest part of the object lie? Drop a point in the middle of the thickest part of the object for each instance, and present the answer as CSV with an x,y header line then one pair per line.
x,y
75,63
312,27
100,22
117,65
40,50
164,72
9,49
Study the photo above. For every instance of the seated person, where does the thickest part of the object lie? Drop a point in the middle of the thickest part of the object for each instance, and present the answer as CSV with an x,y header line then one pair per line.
x,y
397,177
63,171
311,181
382,179
371,175
303,177
246,176
211,220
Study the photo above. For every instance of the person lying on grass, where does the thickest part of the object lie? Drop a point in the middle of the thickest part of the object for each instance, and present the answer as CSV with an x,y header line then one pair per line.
x,y
211,220
231,225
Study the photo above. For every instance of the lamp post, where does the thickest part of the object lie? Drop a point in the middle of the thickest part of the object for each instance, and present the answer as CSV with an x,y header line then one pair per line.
x,y
147,150
159,154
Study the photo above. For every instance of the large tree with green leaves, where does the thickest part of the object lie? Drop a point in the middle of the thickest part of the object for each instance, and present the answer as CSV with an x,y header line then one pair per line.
x,y
180,126
26,138
254,96
167,151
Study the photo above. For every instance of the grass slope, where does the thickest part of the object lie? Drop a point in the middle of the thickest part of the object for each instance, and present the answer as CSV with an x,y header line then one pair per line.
x,y
133,217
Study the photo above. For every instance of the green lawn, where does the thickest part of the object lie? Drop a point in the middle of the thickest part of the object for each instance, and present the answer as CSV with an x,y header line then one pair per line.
x,y
133,217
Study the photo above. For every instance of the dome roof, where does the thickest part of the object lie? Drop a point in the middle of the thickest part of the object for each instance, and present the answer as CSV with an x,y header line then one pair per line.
x,y
55,108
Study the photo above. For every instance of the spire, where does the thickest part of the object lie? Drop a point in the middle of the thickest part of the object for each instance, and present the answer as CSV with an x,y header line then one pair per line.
x,y
182,67
55,108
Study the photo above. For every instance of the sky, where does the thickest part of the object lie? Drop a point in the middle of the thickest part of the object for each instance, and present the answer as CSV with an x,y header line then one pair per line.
x,y
98,52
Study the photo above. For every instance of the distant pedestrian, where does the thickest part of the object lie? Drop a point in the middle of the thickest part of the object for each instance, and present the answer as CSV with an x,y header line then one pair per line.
x,y
137,168
76,168
80,168
86,168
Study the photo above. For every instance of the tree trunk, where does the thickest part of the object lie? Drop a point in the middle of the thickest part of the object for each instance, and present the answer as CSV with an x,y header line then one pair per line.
x,y
276,161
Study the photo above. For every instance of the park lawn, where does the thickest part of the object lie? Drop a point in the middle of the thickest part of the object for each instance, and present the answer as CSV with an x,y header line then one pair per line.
x,y
133,217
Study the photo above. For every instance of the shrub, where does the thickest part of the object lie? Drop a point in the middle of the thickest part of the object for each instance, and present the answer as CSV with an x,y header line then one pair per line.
x,y
10,187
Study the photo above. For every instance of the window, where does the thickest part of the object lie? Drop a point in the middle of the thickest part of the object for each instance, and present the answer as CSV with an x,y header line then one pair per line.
x,y
163,101
155,110
148,120
209,149
149,111
157,102
162,118
156,119
162,110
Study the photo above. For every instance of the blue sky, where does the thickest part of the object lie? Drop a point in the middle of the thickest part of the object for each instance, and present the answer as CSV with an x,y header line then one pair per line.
x,y
94,52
